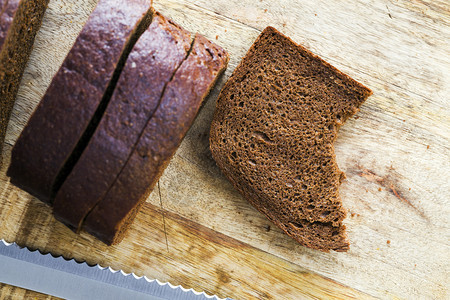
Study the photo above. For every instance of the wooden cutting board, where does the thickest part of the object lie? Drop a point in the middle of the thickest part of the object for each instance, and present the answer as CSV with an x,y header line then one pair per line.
x,y
196,230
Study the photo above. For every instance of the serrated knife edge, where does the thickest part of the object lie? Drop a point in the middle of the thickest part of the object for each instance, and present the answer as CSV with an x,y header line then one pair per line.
x,y
124,282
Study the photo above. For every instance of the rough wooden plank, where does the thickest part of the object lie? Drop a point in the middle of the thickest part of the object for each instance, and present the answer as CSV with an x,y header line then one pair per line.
x,y
401,42
399,141
193,256
13,292
30,223
386,147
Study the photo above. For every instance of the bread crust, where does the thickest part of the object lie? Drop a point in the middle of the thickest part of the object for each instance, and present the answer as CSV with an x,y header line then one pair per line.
x,y
53,136
149,67
177,110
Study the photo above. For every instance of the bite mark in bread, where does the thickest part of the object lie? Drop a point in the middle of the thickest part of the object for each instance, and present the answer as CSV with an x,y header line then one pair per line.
x,y
272,136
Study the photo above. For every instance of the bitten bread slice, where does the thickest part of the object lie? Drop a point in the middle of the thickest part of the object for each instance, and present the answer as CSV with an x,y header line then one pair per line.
x,y
152,62
19,23
61,125
161,137
272,136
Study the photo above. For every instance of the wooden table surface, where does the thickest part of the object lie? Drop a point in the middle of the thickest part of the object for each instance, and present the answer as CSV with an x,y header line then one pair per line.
x,y
196,230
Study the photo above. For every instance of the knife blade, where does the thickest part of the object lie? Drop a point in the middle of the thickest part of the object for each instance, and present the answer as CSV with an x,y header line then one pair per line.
x,y
69,279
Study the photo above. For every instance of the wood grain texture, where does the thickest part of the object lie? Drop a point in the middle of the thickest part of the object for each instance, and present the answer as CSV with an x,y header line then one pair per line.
x,y
9,292
395,153
385,147
194,256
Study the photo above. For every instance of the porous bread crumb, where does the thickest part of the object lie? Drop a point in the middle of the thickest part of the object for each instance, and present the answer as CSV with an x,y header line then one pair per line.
x,y
272,134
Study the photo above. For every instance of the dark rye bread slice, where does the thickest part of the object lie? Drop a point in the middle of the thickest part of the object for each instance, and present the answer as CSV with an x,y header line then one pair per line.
x,y
152,62
178,108
75,100
272,136
19,23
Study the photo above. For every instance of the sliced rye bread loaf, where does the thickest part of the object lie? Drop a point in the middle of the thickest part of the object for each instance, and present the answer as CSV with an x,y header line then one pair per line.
x,y
154,59
19,23
62,123
161,137
272,136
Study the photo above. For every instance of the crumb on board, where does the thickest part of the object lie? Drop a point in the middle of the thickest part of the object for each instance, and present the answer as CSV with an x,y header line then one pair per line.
x,y
380,189
217,37
378,248
265,10
409,188
267,227
353,214
428,146
388,242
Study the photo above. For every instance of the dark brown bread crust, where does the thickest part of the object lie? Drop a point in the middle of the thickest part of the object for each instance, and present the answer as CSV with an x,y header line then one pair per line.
x,y
55,129
163,134
273,132
154,59
19,24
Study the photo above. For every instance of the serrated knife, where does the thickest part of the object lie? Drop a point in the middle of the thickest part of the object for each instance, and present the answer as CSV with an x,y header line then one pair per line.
x,y
69,279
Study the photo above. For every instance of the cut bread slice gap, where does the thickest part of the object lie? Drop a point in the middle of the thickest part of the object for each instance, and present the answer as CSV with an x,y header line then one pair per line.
x,y
152,63
65,119
101,108
182,98
91,214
